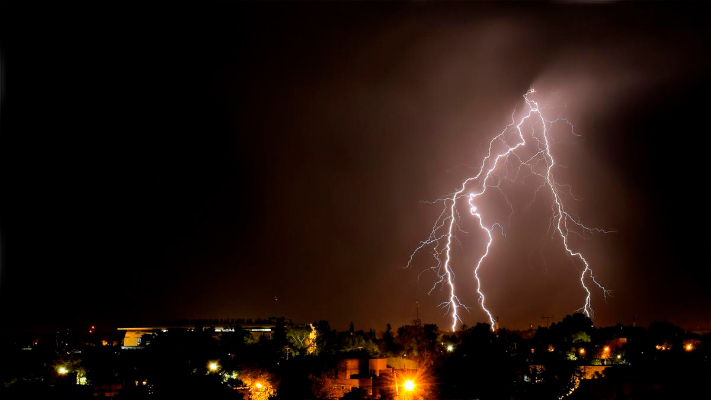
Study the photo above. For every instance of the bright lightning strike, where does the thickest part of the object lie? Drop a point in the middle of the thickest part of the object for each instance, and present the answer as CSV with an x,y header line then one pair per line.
x,y
503,163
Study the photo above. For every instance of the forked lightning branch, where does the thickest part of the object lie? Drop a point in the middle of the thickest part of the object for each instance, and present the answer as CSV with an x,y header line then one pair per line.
x,y
523,148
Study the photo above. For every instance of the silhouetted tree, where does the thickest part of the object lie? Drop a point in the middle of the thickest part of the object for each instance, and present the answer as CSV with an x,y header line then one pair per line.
x,y
387,344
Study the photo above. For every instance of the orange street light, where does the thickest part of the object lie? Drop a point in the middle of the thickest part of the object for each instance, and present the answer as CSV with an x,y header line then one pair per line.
x,y
409,385
258,385
689,347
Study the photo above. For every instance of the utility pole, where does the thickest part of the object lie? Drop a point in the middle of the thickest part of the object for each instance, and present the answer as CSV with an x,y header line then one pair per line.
x,y
417,313
547,318
397,390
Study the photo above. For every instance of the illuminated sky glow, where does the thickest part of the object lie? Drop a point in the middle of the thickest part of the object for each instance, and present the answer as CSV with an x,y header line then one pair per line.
x,y
203,160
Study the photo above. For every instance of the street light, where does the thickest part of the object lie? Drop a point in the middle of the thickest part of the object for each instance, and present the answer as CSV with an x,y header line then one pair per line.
x,y
258,385
408,387
213,366
62,371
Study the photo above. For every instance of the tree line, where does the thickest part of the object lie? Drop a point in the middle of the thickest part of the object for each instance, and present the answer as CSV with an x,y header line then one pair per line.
x,y
298,362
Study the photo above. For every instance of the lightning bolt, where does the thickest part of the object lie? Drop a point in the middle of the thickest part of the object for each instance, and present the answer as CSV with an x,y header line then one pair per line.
x,y
502,163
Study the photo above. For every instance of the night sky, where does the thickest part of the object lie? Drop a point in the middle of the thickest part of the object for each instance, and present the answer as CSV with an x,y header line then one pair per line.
x,y
221,160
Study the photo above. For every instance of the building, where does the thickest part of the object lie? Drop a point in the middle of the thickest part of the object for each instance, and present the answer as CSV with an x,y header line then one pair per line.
x,y
137,337
368,374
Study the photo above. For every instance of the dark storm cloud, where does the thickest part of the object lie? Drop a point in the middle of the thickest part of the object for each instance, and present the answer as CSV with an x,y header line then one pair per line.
x,y
200,161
